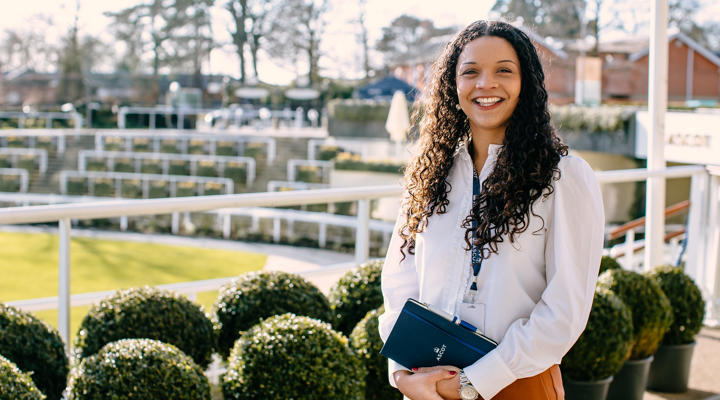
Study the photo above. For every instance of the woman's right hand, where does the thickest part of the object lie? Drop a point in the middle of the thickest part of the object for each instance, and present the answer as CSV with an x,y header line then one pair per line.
x,y
422,385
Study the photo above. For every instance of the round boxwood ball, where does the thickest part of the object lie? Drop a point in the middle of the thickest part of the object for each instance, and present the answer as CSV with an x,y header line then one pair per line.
x,y
650,308
607,262
257,295
605,343
15,384
686,300
138,369
147,313
293,357
356,293
365,339
34,347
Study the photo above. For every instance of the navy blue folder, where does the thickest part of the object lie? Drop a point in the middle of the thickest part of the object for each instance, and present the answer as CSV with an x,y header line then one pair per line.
x,y
423,338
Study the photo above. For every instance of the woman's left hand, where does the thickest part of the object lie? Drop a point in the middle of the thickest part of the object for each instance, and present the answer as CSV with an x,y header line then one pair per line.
x,y
449,389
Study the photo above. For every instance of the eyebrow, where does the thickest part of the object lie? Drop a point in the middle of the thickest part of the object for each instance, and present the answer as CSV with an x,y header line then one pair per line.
x,y
499,62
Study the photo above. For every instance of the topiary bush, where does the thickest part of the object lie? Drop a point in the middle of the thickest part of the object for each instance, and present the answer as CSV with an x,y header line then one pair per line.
x,y
15,384
354,294
605,343
257,295
686,300
293,357
138,369
607,262
651,310
365,340
35,348
147,313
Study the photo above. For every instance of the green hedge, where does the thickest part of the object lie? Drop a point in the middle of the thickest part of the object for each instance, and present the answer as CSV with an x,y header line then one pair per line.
x,y
257,295
607,262
592,119
365,339
651,310
292,357
358,110
147,313
354,294
686,300
15,384
34,347
138,369
605,344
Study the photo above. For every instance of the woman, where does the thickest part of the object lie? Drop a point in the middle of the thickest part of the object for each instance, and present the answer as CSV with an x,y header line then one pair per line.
x,y
519,259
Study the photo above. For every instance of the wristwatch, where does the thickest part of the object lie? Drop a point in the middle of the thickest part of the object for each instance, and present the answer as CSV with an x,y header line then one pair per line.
x,y
467,390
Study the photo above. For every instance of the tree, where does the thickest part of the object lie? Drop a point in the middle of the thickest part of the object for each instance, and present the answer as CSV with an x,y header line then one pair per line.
x,y
557,18
297,27
249,27
71,88
170,31
407,35
363,39
28,47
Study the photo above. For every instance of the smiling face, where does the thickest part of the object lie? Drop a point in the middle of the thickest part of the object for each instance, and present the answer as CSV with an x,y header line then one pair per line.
x,y
488,78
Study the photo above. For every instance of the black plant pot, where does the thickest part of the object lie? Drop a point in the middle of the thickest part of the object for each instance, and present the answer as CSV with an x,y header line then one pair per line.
x,y
670,370
630,382
579,390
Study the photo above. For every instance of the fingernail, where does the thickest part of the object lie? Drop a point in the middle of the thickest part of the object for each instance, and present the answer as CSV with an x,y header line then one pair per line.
x,y
414,369
453,372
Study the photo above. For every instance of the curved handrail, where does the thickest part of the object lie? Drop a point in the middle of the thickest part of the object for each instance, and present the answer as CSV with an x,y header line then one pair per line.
x,y
674,209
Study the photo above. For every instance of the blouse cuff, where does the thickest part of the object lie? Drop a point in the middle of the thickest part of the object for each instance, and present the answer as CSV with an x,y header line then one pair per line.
x,y
392,368
489,375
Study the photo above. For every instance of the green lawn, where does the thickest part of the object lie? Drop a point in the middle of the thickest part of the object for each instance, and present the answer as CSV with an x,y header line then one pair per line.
x,y
29,267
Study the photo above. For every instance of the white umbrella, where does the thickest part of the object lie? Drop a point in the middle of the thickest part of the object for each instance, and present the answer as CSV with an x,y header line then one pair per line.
x,y
398,120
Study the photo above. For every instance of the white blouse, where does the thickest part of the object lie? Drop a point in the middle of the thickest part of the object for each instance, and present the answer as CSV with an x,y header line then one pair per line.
x,y
535,293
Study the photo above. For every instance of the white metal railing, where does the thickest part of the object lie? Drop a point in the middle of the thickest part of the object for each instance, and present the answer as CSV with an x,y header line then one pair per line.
x,y
293,164
701,262
47,115
152,112
15,153
209,139
119,177
166,158
22,174
36,135
367,148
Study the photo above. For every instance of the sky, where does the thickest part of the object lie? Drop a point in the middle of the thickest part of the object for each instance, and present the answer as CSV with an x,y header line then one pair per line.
x,y
339,44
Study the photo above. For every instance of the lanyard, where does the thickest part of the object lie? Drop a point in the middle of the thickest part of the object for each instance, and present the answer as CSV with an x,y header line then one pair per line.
x,y
476,258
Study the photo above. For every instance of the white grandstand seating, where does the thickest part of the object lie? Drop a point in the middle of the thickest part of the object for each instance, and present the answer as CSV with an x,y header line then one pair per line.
x,y
293,163
211,139
23,175
118,178
166,158
17,153
34,136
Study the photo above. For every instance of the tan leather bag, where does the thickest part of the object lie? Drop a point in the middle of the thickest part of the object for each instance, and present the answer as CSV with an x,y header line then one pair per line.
x,y
544,386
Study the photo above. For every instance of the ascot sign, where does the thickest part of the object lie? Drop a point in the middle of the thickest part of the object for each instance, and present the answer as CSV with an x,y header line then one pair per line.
x,y
690,137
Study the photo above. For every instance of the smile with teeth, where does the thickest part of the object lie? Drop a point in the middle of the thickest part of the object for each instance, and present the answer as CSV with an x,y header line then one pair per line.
x,y
487,101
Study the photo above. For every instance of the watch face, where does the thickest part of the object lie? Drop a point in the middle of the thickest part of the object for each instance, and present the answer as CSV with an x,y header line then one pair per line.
x,y
468,393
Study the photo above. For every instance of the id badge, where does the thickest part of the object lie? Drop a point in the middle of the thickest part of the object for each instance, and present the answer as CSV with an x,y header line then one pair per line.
x,y
473,313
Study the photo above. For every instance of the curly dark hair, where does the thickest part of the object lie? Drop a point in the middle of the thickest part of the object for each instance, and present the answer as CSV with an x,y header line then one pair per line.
x,y
525,166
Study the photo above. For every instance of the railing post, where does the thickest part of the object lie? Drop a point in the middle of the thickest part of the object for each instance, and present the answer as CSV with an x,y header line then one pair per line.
x,y
362,233
64,282
630,249
697,226
710,282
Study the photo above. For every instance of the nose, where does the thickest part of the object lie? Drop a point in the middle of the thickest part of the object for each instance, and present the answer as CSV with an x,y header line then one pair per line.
x,y
485,80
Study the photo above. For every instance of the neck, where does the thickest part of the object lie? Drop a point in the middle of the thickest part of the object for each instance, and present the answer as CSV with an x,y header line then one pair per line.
x,y
480,149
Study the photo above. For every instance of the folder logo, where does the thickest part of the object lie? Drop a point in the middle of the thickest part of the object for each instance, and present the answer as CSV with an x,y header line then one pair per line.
x,y
439,351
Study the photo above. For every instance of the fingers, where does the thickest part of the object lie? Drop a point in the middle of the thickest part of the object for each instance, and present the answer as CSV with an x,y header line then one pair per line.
x,y
431,369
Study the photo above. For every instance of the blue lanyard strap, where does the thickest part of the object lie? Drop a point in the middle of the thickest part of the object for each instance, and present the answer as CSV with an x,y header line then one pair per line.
x,y
476,253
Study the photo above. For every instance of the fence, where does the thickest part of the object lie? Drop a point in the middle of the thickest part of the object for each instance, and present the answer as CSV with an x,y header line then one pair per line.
x,y
702,254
